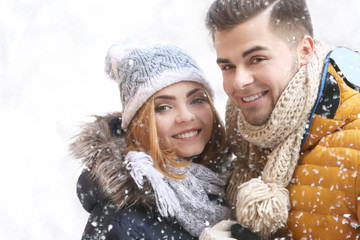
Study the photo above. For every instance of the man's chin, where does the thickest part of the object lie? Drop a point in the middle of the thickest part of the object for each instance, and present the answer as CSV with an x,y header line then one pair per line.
x,y
257,121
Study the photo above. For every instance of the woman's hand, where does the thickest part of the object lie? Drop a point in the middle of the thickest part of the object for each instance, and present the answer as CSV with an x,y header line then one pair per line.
x,y
219,231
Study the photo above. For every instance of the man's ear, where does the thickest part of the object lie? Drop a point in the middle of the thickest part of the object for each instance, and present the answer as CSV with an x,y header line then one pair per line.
x,y
305,50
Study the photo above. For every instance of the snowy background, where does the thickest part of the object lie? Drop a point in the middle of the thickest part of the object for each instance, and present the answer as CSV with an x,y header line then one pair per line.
x,y
51,79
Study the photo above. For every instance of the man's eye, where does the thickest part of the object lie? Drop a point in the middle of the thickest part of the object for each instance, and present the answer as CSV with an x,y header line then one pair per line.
x,y
226,67
257,59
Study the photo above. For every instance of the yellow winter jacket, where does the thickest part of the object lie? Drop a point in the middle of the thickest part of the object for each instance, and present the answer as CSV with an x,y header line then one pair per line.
x,y
325,190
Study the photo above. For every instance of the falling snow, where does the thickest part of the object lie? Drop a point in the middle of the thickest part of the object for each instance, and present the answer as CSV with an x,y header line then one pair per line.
x,y
51,71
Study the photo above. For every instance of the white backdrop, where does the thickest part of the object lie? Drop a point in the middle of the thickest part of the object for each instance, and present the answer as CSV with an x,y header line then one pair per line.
x,y
51,79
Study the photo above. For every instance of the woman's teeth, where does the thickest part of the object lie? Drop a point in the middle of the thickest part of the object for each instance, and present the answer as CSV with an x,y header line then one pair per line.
x,y
186,135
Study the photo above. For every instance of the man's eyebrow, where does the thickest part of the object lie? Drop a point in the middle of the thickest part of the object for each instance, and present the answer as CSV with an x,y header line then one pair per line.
x,y
222,60
244,55
251,50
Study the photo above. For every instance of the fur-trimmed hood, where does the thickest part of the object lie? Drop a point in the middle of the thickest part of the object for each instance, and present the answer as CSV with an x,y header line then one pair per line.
x,y
100,145
132,179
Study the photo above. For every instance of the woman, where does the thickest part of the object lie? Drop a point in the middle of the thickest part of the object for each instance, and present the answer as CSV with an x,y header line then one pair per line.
x,y
156,170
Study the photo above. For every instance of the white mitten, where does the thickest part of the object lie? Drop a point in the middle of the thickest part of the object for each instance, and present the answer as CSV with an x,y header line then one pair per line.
x,y
220,231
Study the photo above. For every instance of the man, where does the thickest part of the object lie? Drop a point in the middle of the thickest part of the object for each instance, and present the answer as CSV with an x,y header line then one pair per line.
x,y
293,122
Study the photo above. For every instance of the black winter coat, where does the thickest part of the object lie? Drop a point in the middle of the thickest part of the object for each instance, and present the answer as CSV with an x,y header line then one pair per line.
x,y
100,145
126,224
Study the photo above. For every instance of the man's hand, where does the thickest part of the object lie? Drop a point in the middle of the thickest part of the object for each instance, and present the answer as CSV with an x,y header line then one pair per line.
x,y
241,233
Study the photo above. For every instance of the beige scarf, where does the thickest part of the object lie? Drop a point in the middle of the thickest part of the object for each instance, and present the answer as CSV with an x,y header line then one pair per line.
x,y
267,155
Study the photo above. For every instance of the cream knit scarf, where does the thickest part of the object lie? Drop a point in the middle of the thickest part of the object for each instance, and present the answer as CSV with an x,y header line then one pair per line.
x,y
258,185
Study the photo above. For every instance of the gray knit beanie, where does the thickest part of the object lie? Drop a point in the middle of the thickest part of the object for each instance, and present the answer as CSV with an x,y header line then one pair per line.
x,y
141,71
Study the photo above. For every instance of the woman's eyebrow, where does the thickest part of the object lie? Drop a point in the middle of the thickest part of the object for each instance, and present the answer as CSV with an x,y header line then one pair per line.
x,y
170,97
165,97
193,91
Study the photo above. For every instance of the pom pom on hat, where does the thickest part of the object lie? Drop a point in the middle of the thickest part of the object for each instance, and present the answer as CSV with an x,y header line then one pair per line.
x,y
141,71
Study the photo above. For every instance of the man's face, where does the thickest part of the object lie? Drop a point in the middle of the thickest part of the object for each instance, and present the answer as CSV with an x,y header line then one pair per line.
x,y
256,66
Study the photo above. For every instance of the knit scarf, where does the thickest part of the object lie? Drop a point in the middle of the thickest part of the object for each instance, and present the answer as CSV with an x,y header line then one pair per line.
x,y
267,155
187,199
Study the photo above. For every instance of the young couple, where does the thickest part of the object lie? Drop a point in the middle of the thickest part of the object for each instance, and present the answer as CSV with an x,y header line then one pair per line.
x,y
161,168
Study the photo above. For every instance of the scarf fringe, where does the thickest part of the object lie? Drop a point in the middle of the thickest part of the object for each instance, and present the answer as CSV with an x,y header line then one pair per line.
x,y
141,165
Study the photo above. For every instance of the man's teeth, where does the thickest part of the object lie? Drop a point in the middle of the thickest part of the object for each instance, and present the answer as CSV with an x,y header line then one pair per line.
x,y
186,135
252,98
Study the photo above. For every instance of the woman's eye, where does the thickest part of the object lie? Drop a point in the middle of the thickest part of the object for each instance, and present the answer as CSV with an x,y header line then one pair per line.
x,y
199,100
162,108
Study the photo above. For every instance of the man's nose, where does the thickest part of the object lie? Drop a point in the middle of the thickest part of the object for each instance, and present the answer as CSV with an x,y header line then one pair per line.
x,y
242,79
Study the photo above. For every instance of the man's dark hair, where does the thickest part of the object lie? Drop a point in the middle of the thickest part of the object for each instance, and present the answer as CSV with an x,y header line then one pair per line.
x,y
289,18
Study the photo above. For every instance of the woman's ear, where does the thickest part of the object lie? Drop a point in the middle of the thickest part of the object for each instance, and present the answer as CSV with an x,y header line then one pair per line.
x,y
305,50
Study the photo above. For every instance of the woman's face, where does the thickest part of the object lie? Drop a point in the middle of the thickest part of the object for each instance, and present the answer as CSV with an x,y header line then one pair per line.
x,y
184,118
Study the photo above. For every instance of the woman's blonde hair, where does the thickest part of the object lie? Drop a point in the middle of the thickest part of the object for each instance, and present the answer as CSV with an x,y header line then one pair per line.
x,y
142,136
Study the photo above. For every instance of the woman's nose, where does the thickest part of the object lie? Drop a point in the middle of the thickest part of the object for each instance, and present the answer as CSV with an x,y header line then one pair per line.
x,y
184,114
